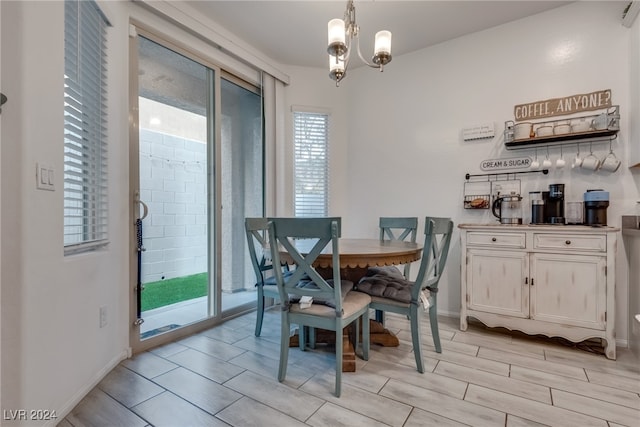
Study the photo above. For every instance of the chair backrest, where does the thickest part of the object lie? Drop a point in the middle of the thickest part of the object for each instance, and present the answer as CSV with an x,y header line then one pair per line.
x,y
406,226
304,239
256,229
399,228
437,238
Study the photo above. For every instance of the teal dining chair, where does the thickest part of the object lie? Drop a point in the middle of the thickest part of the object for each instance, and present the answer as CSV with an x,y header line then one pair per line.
x,y
256,230
334,304
399,229
408,296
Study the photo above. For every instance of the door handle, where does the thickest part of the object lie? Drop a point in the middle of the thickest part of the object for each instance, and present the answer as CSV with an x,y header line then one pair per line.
x,y
145,208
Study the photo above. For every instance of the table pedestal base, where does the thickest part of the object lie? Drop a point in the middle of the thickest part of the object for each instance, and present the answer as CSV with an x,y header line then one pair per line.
x,y
377,335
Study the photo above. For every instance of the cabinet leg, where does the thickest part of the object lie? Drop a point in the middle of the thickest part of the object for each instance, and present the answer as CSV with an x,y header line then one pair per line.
x,y
463,323
610,348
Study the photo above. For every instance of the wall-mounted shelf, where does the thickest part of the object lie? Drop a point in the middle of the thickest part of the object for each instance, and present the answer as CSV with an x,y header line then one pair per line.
x,y
606,132
504,175
480,190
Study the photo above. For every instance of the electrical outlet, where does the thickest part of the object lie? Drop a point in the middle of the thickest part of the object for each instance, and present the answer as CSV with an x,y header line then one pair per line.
x,y
103,316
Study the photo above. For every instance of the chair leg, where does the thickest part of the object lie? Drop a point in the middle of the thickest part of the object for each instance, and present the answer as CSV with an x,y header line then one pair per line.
x,y
259,311
365,335
339,339
302,337
380,317
356,326
415,337
284,347
311,332
433,320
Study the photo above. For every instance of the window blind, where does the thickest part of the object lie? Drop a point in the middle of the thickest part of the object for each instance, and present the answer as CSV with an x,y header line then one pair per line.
x,y
85,144
311,165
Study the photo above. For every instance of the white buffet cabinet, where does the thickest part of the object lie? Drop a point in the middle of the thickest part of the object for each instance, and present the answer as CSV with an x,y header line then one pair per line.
x,y
552,280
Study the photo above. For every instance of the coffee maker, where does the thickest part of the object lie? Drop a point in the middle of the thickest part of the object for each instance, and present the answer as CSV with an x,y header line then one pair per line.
x,y
596,203
508,209
554,204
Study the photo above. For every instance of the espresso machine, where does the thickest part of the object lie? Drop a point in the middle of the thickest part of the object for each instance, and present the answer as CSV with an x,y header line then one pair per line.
x,y
554,204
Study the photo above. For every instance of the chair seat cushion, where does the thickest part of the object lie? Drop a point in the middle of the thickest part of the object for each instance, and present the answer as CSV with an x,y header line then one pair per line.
x,y
385,283
351,303
271,280
307,283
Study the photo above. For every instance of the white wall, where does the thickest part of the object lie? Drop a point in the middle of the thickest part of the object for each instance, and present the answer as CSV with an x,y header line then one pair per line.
x,y
312,87
52,347
406,155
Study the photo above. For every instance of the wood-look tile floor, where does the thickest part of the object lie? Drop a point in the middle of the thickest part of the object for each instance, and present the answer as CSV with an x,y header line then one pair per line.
x,y
226,376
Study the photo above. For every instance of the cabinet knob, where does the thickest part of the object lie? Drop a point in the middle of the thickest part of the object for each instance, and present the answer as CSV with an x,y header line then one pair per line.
x,y
493,239
567,242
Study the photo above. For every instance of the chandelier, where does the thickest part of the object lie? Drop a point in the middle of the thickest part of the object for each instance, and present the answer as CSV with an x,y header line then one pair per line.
x,y
342,33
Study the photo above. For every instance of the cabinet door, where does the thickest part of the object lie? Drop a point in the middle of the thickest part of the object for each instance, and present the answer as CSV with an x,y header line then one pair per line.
x,y
569,289
497,282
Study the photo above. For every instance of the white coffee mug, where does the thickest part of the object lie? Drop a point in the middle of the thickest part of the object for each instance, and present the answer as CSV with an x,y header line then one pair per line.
x,y
546,163
560,163
610,163
577,162
590,162
534,164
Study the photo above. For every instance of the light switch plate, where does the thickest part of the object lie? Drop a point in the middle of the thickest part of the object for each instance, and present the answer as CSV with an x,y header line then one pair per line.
x,y
45,177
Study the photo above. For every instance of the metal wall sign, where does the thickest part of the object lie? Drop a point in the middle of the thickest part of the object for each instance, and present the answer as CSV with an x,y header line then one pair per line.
x,y
562,106
502,164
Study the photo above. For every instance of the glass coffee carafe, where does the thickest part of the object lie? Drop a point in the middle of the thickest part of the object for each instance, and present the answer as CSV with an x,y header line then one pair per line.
x,y
508,209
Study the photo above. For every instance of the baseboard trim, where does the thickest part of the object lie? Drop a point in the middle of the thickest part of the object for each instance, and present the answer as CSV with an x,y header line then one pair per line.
x,y
73,402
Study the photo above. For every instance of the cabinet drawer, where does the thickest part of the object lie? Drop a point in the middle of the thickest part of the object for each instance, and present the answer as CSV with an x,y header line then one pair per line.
x,y
496,240
570,242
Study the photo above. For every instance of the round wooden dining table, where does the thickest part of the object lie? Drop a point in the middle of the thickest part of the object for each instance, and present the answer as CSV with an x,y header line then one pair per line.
x,y
356,256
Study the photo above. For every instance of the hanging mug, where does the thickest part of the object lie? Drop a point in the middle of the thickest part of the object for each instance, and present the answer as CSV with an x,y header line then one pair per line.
x,y
591,162
610,163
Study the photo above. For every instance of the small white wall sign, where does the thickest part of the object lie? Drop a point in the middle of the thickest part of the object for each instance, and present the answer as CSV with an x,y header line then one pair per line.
x,y
501,164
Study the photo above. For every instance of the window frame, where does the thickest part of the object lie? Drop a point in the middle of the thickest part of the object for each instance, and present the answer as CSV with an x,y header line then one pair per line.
x,y
85,204
318,143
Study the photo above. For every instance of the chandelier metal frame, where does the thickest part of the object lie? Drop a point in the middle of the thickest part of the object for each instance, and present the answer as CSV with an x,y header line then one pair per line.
x,y
342,35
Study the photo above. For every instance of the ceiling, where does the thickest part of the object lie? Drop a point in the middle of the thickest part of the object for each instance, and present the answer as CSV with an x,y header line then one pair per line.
x,y
295,32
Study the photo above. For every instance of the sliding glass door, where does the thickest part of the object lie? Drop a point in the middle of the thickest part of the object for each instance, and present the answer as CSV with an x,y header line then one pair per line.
x,y
197,172
173,165
242,188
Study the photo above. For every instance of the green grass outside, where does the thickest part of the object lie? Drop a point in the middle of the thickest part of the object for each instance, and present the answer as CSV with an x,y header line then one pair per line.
x,y
170,291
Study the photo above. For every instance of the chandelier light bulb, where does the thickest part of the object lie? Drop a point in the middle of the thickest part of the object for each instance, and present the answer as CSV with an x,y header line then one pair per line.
x,y
336,32
383,43
336,64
